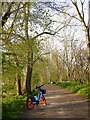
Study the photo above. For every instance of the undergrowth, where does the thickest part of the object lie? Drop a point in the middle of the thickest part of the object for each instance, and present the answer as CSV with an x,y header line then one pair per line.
x,y
12,104
81,89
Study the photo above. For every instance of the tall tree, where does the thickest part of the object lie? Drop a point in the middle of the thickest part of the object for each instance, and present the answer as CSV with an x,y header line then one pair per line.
x,y
6,40
81,15
22,28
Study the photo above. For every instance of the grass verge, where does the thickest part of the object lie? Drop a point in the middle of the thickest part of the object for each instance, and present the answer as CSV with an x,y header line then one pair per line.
x,y
81,89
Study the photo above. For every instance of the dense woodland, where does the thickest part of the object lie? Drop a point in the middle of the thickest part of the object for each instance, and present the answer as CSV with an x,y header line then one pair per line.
x,y
44,42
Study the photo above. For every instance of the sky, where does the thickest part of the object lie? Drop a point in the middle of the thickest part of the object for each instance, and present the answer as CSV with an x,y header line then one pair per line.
x,y
57,1
60,1
80,34
36,0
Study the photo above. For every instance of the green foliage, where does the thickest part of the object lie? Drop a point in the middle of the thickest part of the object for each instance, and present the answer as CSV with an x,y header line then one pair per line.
x,y
76,87
53,75
84,92
35,77
45,82
11,106
64,77
11,103
35,92
63,84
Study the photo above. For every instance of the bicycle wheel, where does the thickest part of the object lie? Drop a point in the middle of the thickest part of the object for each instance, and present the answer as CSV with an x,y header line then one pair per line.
x,y
43,100
29,103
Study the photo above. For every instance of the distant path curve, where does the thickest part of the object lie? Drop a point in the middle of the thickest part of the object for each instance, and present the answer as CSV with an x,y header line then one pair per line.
x,y
61,103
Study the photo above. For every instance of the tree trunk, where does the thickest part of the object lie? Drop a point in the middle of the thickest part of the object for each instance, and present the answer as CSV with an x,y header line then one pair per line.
x,y
88,37
85,28
28,79
19,92
88,46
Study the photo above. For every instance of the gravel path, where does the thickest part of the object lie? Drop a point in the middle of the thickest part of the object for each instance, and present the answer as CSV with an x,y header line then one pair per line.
x,y
61,103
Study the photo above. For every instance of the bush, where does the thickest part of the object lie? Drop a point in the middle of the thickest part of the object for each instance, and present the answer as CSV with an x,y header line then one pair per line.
x,y
85,92
11,106
63,84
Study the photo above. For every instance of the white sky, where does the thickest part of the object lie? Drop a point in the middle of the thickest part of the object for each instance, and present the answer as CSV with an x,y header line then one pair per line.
x,y
59,1
80,36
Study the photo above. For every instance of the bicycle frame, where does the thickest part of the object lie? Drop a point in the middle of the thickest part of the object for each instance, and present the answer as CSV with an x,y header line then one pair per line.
x,y
38,98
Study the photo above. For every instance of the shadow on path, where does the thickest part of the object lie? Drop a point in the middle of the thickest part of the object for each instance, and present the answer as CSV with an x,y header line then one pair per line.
x,y
61,103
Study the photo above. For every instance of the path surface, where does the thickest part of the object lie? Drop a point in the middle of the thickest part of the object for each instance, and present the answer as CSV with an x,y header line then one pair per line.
x,y
61,103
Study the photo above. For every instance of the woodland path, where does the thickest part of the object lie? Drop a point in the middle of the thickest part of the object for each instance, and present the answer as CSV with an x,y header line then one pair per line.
x,y
61,103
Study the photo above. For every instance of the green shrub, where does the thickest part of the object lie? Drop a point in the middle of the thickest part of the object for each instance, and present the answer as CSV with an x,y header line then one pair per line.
x,y
84,92
63,84
76,87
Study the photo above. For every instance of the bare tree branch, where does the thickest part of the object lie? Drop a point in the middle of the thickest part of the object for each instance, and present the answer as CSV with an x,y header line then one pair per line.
x,y
49,33
78,12
82,4
73,16
13,34
13,21
7,14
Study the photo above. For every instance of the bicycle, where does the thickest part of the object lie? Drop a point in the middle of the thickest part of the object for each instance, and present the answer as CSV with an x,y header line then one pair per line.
x,y
38,99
